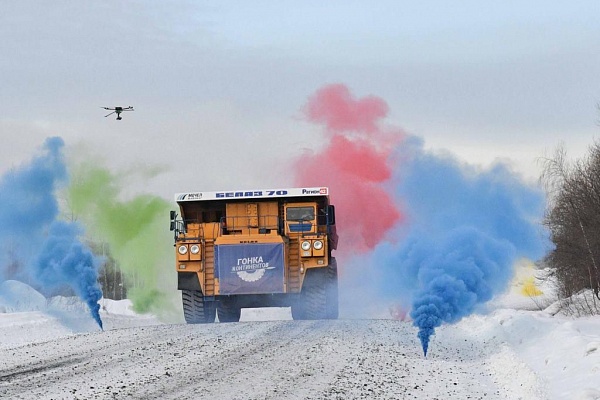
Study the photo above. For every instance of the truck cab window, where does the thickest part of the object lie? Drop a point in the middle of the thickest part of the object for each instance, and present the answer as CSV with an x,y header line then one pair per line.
x,y
300,214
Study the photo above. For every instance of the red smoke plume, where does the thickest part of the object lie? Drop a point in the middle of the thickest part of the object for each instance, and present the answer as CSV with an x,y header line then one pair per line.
x,y
334,106
354,164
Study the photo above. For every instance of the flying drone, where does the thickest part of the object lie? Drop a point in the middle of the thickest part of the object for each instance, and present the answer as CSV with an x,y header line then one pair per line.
x,y
118,110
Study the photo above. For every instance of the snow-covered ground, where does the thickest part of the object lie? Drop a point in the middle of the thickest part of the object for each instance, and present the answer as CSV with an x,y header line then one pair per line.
x,y
517,349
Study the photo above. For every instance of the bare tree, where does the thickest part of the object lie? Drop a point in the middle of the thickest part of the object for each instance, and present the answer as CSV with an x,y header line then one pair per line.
x,y
573,218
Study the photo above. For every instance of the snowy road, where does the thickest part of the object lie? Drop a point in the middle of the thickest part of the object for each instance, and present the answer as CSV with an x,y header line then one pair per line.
x,y
344,359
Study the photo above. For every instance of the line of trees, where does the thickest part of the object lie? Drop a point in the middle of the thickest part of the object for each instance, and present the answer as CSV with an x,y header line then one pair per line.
x,y
114,279
573,219
111,277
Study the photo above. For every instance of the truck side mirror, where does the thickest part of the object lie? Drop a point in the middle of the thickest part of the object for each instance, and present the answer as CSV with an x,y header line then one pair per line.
x,y
173,225
330,215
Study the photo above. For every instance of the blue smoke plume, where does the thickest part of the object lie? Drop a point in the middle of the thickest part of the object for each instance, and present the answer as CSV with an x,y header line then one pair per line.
x,y
35,247
27,201
65,260
465,229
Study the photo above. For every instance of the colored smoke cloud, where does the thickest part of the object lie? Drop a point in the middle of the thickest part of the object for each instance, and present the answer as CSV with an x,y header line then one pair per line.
x,y
64,259
354,164
334,107
436,236
465,229
35,245
136,231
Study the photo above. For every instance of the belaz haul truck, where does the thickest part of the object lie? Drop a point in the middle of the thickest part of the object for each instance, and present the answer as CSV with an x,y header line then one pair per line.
x,y
256,248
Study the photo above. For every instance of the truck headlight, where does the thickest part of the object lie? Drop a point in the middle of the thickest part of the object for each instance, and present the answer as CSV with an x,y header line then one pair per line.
x,y
318,245
305,245
195,249
182,249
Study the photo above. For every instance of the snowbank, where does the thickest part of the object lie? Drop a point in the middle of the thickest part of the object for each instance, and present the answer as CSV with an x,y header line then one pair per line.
x,y
16,296
561,349
26,316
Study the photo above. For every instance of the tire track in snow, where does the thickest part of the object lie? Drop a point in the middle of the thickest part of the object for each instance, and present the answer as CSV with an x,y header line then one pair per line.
x,y
341,359
86,363
281,361
390,365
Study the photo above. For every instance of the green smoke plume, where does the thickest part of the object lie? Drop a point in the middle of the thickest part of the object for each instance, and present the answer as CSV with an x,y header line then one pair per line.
x,y
136,232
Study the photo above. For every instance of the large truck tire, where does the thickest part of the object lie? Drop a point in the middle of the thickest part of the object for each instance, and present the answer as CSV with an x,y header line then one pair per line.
x,y
312,301
195,309
298,308
228,311
332,291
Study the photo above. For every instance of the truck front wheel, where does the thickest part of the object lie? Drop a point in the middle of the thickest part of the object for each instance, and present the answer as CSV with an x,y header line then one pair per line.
x,y
195,309
228,311
332,290
319,296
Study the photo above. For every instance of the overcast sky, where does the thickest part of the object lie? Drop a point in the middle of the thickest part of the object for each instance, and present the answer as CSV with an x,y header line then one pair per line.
x,y
218,87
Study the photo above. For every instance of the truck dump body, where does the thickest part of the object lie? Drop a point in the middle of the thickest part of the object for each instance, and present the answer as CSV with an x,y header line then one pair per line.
x,y
256,248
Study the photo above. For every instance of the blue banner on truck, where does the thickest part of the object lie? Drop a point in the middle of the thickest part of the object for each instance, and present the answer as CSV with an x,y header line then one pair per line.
x,y
252,268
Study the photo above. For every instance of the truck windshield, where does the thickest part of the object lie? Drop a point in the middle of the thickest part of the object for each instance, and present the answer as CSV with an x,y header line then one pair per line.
x,y
300,213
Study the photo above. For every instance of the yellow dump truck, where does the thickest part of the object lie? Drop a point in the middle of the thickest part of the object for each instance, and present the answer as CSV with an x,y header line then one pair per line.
x,y
256,248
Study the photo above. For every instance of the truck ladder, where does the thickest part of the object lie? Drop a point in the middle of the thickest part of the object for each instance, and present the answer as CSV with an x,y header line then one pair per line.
x,y
294,281
209,268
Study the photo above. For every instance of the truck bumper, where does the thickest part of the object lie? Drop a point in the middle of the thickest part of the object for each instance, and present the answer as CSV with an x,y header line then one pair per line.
x,y
188,281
